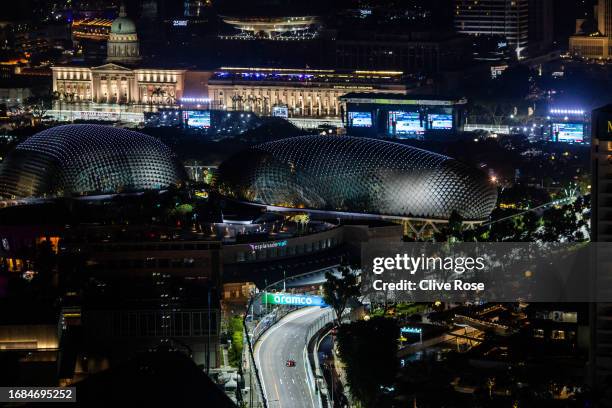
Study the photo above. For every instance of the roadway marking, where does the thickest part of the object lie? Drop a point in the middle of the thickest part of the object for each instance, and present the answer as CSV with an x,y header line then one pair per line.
x,y
294,315
310,386
277,395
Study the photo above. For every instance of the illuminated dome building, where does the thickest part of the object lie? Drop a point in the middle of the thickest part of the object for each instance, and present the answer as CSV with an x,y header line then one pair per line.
x,y
87,159
357,176
123,40
273,27
272,19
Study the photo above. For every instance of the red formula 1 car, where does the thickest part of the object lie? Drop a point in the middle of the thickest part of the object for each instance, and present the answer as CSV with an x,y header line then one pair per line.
x,y
290,363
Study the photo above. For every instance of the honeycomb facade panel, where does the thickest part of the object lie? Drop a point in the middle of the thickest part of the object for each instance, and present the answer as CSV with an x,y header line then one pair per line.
x,y
357,175
88,159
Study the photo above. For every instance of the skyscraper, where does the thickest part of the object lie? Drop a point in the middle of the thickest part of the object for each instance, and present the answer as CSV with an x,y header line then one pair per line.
x,y
195,8
604,17
600,358
541,25
595,45
504,18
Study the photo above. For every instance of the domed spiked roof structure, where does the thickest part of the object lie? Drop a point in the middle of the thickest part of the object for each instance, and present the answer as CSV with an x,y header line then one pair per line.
x,y
87,159
357,175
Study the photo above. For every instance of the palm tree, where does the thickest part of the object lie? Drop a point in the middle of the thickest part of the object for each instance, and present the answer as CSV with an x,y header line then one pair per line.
x,y
254,102
237,101
170,99
57,96
490,385
38,106
158,93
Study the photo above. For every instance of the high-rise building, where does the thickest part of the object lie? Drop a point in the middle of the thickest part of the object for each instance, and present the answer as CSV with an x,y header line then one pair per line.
x,y
541,25
195,8
600,359
507,19
597,45
604,17
602,174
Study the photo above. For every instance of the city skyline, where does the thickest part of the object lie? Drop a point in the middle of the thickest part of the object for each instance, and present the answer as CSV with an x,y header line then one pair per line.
x,y
273,203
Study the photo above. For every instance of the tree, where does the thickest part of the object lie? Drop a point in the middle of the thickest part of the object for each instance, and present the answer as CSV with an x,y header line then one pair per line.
x,y
338,291
367,348
531,223
170,99
237,101
157,94
301,220
38,107
453,230
57,96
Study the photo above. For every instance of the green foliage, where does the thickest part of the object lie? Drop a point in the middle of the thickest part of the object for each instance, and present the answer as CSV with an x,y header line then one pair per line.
x,y
236,332
453,231
235,324
407,309
338,291
567,223
184,209
564,224
369,348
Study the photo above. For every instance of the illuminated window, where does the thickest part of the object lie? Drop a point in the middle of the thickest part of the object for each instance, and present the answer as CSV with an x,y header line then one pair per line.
x,y
558,335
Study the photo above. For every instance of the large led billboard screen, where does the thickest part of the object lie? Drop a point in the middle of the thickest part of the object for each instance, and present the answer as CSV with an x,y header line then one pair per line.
x,y
568,132
440,121
360,119
197,119
280,112
405,123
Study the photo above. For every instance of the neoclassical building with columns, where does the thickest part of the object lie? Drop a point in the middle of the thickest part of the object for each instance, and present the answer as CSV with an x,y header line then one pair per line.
x,y
305,92
118,84
121,80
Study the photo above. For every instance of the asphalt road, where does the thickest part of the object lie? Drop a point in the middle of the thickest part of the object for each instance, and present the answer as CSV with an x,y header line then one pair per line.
x,y
286,387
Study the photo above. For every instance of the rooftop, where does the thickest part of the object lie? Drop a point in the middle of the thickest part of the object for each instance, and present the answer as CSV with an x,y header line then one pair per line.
x,y
307,76
161,378
401,99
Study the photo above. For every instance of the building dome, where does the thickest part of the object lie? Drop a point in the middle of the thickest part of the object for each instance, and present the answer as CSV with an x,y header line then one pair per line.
x,y
87,159
122,24
123,46
357,175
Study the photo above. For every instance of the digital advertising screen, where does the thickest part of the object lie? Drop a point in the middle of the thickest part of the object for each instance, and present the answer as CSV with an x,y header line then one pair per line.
x,y
197,119
360,119
280,112
440,121
405,123
568,132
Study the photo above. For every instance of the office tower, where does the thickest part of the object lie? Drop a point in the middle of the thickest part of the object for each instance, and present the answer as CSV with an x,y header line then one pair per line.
x,y
595,45
541,26
500,18
604,17
195,8
600,358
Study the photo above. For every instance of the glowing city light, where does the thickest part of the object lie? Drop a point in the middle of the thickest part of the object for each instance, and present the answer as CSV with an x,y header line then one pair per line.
x,y
196,100
567,111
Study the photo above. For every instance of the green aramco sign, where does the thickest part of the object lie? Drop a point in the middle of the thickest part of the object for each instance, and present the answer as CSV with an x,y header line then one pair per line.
x,y
293,300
